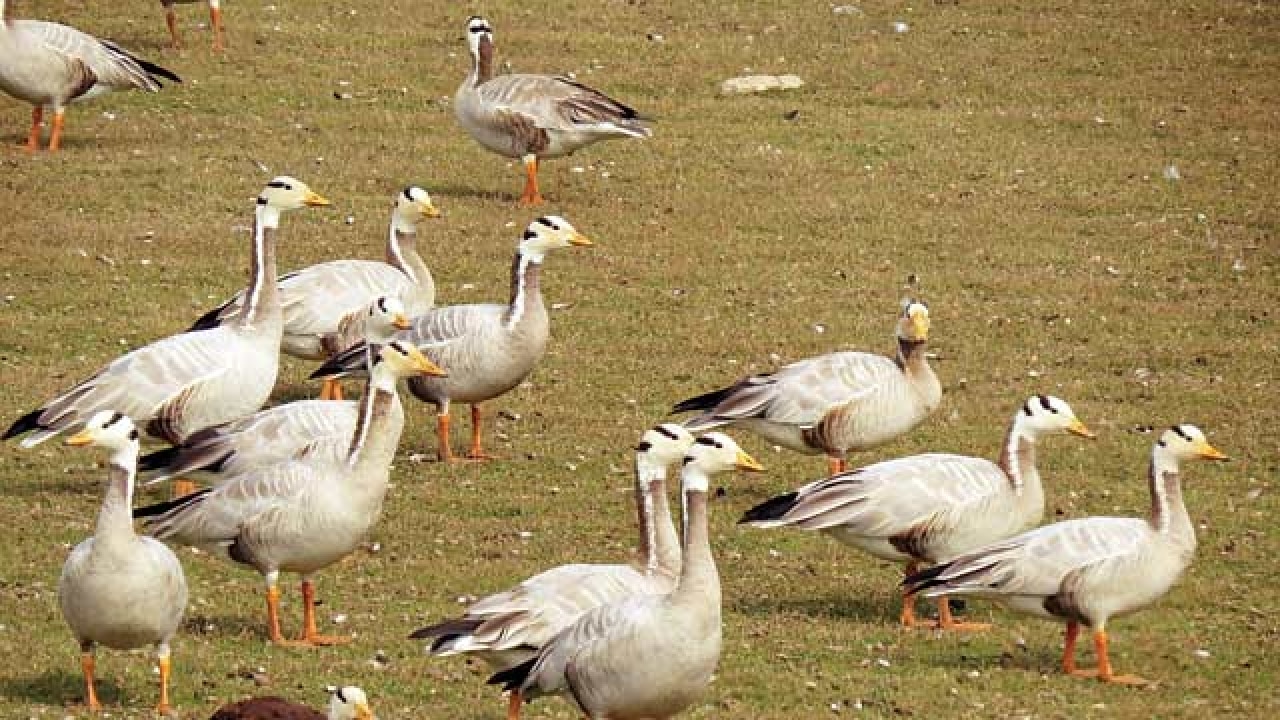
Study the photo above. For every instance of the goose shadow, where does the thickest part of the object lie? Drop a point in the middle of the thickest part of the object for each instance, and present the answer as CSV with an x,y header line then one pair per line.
x,y
56,687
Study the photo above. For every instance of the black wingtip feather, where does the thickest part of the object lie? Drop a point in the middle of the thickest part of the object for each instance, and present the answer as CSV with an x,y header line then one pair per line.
x,y
158,459
924,579
209,320
770,509
513,678
164,507
705,401
24,424
344,363
153,69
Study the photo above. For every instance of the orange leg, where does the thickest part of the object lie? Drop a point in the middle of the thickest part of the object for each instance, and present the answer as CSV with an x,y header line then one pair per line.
x,y
163,707
531,197
87,666
947,622
171,19
273,616
1069,648
836,465
1104,672
445,453
310,634
513,705
476,453
181,487
55,138
908,616
331,390
215,19
33,139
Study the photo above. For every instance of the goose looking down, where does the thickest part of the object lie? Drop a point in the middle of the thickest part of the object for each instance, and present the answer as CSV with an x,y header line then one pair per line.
x,y
489,349
321,301
304,428
51,65
534,116
118,589
184,383
1089,570
215,21
509,628
646,656
832,403
925,509
345,703
301,516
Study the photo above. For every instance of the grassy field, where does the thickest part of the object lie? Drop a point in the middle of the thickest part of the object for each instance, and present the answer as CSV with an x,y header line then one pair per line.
x,y
1009,162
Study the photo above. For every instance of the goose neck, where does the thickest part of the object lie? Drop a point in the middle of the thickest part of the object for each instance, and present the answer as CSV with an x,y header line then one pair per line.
x,y
115,519
378,424
262,301
482,62
402,253
699,580
526,293
915,365
1169,515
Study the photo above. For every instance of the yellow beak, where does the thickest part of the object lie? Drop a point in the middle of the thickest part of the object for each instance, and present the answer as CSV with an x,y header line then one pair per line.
x,y
920,325
314,199
423,364
401,322
580,239
79,439
1078,428
364,713
748,463
429,210
1207,451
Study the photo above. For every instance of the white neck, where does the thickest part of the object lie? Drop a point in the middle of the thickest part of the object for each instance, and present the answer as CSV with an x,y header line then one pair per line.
x,y
268,216
646,473
519,293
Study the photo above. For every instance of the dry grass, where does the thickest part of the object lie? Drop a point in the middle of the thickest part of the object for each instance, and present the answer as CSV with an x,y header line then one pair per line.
x,y
1009,157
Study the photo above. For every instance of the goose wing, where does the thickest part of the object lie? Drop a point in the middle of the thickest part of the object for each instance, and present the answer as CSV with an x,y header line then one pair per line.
x,y
546,102
112,65
317,299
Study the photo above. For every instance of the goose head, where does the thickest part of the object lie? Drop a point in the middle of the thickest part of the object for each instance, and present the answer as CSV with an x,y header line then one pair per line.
x,y
712,454
479,36
913,324
349,703
548,233
400,360
108,429
282,194
1187,442
1044,414
661,446
413,205
384,316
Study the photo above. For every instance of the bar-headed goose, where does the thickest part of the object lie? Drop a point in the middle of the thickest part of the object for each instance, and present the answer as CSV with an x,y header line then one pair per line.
x,y
1089,570
490,348
118,589
322,301
925,509
301,516
51,65
184,383
303,428
345,703
215,21
534,116
832,403
646,656
509,628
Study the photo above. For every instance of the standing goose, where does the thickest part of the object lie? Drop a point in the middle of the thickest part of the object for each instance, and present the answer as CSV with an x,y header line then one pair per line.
x,y
215,21
345,703
304,428
1088,570
645,656
832,403
184,383
301,516
925,509
321,301
509,628
490,348
51,65
533,116
118,589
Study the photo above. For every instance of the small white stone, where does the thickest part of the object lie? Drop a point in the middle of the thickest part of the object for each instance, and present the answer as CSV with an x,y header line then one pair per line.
x,y
900,27
1201,653
524,534
1171,173
339,619
882,662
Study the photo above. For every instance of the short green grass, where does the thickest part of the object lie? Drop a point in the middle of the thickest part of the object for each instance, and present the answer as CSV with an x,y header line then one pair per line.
x,y
1009,158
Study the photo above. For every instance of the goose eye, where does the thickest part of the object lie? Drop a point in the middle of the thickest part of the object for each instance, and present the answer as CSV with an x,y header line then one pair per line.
x,y
644,446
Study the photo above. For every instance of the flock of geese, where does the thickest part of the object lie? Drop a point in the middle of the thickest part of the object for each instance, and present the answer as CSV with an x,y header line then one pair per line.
x,y
295,488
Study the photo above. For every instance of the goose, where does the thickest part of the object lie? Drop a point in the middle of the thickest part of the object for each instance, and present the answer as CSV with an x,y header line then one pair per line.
x,y
832,403
215,21
645,656
534,116
300,516
1088,570
50,65
490,348
310,428
118,589
509,628
178,385
345,703
925,509
322,300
